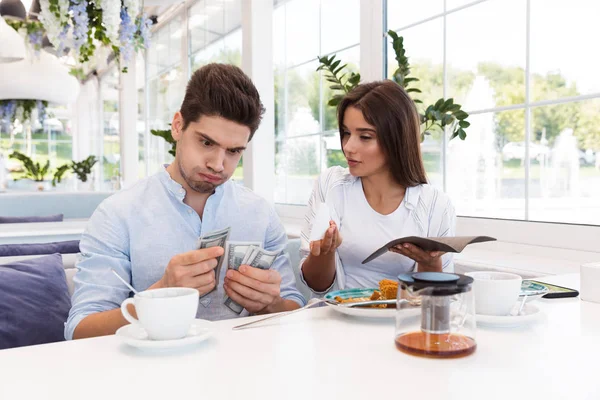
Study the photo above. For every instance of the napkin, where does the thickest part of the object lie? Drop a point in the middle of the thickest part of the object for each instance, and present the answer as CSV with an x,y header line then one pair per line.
x,y
320,222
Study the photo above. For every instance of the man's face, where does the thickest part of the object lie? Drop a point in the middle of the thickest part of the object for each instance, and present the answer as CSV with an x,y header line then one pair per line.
x,y
208,151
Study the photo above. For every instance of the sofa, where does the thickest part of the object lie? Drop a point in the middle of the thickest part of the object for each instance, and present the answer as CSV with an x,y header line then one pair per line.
x,y
36,291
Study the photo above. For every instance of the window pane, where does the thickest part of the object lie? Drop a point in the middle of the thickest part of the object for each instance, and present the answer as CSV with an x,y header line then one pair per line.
x,y
560,68
424,47
303,101
302,30
334,156
565,163
340,24
297,166
401,13
141,115
111,145
279,48
431,151
453,4
480,45
486,173
215,33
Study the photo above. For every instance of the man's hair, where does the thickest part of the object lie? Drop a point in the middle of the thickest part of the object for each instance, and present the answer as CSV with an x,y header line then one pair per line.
x,y
222,90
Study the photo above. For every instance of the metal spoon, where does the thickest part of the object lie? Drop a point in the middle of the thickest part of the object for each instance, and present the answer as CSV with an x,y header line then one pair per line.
x,y
125,282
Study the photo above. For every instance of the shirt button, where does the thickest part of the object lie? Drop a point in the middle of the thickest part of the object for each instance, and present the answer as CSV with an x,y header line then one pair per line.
x,y
181,191
189,211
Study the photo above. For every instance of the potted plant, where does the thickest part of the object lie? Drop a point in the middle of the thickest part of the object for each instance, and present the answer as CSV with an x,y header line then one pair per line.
x,y
83,168
32,170
443,113
58,174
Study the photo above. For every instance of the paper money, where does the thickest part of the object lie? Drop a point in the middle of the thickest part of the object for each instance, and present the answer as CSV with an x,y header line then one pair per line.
x,y
235,253
254,256
213,239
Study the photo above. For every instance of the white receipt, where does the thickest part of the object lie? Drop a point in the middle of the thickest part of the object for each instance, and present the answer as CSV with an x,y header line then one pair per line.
x,y
320,223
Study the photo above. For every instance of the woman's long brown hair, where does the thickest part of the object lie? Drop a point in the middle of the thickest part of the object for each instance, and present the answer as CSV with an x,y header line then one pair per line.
x,y
387,107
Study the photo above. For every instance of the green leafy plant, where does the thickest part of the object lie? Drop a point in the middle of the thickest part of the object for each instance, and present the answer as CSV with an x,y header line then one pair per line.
x,y
32,170
166,134
84,167
58,174
443,113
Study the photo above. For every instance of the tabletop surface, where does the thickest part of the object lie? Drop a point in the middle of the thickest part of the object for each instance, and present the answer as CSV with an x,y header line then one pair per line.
x,y
321,354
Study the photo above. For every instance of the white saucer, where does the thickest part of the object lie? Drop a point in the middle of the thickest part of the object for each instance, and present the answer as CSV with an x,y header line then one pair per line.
x,y
136,336
528,314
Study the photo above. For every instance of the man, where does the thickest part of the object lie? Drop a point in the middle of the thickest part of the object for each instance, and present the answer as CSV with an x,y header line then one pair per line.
x,y
149,233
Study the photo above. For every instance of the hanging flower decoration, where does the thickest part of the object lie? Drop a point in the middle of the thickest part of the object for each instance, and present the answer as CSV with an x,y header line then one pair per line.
x,y
21,110
32,30
82,25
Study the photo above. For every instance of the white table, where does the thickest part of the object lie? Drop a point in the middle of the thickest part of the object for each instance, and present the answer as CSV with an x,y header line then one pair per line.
x,y
319,354
42,232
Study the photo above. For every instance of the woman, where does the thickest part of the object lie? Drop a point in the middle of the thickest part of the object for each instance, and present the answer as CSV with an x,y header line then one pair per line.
x,y
381,196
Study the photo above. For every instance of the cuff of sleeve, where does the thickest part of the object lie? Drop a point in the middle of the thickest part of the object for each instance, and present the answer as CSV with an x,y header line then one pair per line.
x,y
72,323
319,294
294,297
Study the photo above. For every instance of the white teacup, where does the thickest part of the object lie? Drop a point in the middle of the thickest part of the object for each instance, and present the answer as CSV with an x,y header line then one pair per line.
x,y
165,314
495,292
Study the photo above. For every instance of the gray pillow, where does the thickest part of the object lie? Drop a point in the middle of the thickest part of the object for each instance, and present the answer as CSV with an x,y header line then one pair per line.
x,y
34,302
20,220
34,249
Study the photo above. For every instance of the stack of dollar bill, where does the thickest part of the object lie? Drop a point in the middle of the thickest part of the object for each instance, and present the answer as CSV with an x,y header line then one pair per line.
x,y
214,239
246,253
236,254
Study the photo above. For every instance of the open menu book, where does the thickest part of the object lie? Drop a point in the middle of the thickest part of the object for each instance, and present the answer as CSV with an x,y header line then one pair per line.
x,y
448,244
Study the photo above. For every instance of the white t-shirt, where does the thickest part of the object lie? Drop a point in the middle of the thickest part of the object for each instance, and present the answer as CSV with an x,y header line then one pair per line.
x,y
424,211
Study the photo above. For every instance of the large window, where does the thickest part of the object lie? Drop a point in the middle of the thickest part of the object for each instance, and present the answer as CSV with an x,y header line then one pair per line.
x,y
110,159
165,86
51,140
307,140
533,147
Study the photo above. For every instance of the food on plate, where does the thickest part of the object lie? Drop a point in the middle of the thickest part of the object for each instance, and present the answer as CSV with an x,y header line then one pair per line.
x,y
387,291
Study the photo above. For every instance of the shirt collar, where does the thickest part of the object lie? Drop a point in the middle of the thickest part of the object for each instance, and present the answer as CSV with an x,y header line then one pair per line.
x,y
411,197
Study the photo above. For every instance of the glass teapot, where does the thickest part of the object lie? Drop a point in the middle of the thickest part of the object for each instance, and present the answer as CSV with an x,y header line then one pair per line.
x,y
435,315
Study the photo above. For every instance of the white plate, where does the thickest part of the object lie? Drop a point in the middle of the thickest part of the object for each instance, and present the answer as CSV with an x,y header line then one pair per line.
x,y
365,312
137,337
529,314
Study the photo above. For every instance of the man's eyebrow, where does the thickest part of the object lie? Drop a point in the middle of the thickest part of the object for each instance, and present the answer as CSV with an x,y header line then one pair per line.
x,y
213,141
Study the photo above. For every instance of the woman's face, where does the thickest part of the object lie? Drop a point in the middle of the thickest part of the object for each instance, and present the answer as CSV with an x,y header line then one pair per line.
x,y
360,145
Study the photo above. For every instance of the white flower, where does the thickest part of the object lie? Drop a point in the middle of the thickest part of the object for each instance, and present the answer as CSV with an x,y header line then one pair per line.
x,y
63,6
51,22
111,18
133,8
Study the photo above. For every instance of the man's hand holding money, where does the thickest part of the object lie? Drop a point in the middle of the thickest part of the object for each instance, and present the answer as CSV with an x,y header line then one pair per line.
x,y
255,289
194,269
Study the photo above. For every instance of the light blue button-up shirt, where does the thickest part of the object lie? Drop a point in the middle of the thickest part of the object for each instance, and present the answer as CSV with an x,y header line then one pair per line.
x,y
138,230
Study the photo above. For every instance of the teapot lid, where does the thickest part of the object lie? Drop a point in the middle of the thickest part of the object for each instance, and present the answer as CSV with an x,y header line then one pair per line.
x,y
440,283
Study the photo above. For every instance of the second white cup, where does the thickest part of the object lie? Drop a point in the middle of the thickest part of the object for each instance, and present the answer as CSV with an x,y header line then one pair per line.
x,y
495,292
165,314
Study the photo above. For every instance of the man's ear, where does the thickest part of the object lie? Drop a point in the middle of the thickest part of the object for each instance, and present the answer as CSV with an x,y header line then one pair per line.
x,y
177,126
